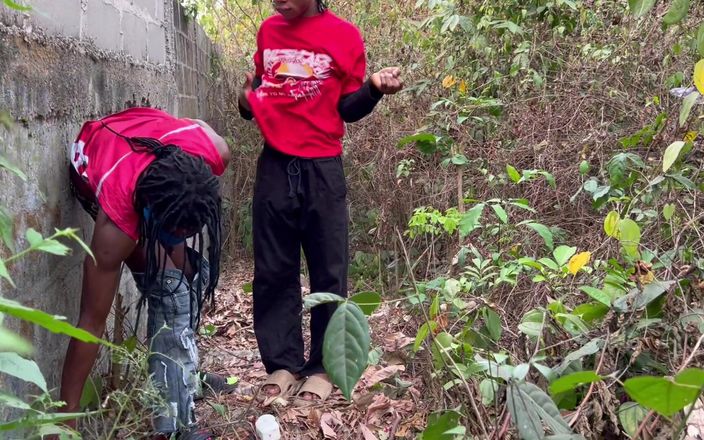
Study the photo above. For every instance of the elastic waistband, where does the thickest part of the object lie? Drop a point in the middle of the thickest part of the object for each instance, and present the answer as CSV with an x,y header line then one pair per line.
x,y
274,153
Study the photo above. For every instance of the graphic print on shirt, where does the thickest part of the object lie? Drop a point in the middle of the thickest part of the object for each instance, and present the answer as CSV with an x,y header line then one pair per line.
x,y
293,73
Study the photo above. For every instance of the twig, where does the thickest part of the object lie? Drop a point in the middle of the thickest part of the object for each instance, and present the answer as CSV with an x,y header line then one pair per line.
x,y
643,424
591,388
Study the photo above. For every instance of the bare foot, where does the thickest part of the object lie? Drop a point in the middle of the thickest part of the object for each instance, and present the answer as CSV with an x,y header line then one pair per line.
x,y
271,390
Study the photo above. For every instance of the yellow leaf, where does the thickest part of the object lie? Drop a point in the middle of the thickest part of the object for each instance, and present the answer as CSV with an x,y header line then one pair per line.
x,y
578,261
691,136
699,76
463,87
449,81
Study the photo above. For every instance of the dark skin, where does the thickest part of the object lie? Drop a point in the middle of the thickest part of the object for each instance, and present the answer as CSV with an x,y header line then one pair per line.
x,y
387,81
111,248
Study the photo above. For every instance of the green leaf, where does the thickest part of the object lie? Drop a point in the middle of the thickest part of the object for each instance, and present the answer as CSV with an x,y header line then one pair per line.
x,y
611,224
218,408
440,425
687,106
572,381
544,232
488,389
470,220
666,396
591,312
597,294
247,288
630,414
92,390
16,6
232,380
563,254
629,236
367,301
12,342
426,143
33,237
677,12
668,211
6,232
500,213
529,405
5,163
640,7
435,307
700,40
590,348
54,324
41,419
316,299
346,347
493,323
54,247
672,153
21,368
532,323
423,333
12,402
513,174
650,293
584,167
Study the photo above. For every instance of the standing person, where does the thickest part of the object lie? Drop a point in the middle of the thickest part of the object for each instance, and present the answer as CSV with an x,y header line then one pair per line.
x,y
309,80
149,181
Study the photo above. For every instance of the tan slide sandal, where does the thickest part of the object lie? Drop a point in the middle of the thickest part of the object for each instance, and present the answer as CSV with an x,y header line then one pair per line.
x,y
283,379
316,385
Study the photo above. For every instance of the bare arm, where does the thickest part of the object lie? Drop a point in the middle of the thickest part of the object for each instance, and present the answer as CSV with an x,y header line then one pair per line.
x,y
111,247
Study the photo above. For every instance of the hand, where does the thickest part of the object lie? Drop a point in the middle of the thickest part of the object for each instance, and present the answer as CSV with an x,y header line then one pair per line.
x,y
388,80
246,90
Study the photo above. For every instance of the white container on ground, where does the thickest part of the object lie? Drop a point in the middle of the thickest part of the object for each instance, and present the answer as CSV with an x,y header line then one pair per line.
x,y
267,428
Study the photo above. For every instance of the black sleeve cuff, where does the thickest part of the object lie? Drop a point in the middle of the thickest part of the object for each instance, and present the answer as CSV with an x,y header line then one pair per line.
x,y
359,104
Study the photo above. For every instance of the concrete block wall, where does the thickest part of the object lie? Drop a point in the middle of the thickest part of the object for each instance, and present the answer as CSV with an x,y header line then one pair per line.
x,y
66,62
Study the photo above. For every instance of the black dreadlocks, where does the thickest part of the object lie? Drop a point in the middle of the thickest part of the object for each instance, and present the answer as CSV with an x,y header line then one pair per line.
x,y
180,192
322,7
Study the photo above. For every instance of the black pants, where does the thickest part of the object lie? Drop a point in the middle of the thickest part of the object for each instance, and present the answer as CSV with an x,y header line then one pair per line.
x,y
298,203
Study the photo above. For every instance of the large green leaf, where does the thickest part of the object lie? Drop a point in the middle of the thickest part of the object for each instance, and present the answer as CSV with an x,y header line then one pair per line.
x,y
367,301
500,213
640,7
5,163
629,235
11,342
21,368
672,153
664,395
630,414
687,106
590,348
55,324
316,299
346,347
513,174
544,232
677,12
470,220
493,323
529,405
442,426
488,389
572,381
426,143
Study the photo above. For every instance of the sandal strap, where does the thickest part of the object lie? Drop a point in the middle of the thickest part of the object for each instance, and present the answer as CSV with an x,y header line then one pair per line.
x,y
318,386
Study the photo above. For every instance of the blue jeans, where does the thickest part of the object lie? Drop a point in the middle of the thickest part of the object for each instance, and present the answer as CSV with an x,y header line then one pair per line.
x,y
173,359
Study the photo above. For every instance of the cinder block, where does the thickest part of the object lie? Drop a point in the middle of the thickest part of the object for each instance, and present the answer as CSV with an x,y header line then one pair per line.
x,y
102,25
134,36
156,44
187,107
58,17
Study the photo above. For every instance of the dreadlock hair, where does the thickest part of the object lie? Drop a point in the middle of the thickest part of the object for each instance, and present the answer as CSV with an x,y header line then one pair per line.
x,y
322,7
180,192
